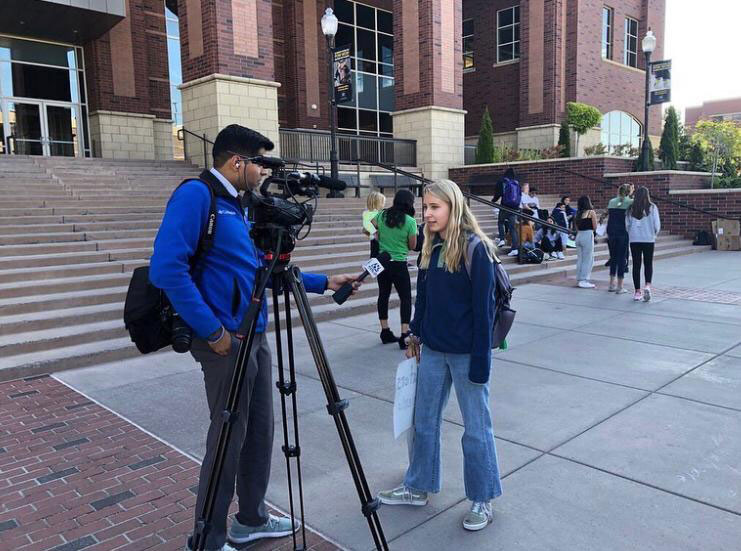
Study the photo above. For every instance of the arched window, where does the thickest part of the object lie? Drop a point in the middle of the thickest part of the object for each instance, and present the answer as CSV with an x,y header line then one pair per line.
x,y
620,129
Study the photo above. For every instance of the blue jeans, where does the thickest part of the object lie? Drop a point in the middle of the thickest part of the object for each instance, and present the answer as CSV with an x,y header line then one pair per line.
x,y
480,466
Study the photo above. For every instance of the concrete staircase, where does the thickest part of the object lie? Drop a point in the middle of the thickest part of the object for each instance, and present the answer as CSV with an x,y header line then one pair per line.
x,y
72,230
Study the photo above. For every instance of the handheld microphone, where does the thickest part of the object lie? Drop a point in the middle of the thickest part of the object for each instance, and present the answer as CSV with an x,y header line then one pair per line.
x,y
327,182
373,266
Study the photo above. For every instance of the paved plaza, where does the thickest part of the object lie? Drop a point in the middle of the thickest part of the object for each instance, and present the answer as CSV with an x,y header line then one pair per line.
x,y
618,427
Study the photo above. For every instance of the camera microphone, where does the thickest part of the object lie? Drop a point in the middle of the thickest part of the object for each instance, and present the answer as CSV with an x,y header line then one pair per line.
x,y
373,267
327,182
268,162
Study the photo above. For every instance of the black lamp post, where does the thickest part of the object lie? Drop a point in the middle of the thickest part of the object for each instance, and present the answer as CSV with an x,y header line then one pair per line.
x,y
329,28
648,45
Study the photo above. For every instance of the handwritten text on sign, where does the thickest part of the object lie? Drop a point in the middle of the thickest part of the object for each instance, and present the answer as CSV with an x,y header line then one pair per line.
x,y
406,390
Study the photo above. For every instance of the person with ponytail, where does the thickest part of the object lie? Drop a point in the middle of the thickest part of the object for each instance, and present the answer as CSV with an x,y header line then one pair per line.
x,y
451,338
397,235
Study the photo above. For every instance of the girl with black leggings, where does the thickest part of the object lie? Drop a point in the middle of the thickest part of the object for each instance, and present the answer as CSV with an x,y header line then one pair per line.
x,y
397,235
643,225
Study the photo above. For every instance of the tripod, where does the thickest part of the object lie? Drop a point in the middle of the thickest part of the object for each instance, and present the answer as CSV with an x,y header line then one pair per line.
x,y
286,279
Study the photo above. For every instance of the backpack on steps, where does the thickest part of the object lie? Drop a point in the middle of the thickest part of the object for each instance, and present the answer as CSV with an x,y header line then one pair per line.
x,y
148,315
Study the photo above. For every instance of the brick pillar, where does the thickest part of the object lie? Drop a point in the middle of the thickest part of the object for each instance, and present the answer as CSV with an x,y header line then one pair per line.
x,y
429,81
228,68
542,72
127,81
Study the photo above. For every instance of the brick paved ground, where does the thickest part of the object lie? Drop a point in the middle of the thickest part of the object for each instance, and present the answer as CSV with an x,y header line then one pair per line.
x,y
75,476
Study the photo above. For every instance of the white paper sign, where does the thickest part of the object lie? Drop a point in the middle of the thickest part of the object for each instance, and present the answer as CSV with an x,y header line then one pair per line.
x,y
406,390
373,267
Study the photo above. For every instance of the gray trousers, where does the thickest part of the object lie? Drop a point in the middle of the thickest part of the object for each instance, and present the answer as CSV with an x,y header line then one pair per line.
x,y
585,254
251,443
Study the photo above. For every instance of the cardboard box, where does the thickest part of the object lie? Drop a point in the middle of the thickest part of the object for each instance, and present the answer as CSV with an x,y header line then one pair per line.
x,y
728,242
727,227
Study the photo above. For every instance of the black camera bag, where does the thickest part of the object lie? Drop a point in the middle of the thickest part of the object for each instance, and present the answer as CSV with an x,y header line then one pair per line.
x,y
147,311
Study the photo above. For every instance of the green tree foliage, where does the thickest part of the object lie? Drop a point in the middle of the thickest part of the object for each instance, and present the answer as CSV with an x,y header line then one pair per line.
x,y
485,147
581,117
669,146
722,140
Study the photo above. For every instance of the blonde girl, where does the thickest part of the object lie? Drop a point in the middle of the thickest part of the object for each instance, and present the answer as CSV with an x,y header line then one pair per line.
x,y
451,337
374,204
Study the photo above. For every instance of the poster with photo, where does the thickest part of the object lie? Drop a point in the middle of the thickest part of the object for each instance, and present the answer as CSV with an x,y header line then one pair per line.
x,y
342,75
660,84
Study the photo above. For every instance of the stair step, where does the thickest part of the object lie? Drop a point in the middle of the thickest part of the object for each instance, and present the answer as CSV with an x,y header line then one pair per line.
x,y
69,335
48,319
61,300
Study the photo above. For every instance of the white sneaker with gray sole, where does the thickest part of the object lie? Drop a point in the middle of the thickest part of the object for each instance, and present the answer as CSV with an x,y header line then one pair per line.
x,y
275,527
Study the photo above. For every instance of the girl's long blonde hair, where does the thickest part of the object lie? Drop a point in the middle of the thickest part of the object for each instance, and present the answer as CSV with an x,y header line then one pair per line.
x,y
461,224
375,201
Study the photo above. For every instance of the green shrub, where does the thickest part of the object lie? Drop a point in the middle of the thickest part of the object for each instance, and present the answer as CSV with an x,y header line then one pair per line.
x,y
485,146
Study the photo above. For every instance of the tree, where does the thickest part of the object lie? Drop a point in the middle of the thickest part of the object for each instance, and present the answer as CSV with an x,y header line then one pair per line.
x,y
722,139
485,147
564,139
669,146
581,117
696,157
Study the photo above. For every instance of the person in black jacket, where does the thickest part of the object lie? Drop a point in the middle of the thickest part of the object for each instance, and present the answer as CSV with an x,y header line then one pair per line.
x,y
506,221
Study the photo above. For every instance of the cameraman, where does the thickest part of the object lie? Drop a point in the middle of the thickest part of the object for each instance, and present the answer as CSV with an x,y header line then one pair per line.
x,y
213,299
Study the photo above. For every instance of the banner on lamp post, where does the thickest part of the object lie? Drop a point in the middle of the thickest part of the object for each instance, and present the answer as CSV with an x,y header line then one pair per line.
x,y
342,75
660,86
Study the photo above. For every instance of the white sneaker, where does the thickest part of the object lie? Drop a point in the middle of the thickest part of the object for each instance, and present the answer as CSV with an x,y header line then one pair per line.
x,y
585,285
513,252
560,256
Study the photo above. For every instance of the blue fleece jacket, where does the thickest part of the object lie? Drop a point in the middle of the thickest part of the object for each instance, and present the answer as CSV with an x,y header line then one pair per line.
x,y
220,290
454,311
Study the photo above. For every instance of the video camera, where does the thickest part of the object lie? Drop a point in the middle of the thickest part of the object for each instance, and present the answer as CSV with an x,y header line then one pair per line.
x,y
282,215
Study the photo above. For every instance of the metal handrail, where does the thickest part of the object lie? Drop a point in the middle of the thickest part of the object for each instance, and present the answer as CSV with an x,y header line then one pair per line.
x,y
205,141
659,198
519,214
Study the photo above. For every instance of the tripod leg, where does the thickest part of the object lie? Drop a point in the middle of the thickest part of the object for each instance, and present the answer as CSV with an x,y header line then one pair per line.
x,y
336,407
292,375
285,390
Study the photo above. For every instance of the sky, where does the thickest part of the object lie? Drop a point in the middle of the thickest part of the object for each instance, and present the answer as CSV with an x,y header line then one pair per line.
x,y
703,40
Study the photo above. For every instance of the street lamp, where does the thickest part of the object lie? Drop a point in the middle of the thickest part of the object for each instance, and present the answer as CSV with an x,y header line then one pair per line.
x,y
648,45
329,28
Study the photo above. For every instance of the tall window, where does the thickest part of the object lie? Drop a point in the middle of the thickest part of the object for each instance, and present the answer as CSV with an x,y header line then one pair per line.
x,y
468,62
508,34
607,25
370,34
175,68
620,129
631,42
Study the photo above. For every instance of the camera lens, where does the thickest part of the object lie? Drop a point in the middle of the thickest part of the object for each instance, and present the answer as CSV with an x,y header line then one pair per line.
x,y
182,335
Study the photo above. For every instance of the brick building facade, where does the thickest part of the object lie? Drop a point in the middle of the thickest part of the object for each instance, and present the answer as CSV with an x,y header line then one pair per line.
x,y
264,63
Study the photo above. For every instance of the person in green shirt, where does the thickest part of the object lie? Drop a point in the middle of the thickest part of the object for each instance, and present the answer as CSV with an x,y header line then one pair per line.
x,y
617,237
397,235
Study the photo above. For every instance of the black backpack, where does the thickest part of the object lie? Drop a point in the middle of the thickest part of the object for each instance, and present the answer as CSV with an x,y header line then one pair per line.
x,y
702,237
148,314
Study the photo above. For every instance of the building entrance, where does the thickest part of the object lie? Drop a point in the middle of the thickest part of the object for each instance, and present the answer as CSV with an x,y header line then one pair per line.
x,y
43,108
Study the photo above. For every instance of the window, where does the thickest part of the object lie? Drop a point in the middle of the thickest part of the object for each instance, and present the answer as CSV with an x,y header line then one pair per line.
x,y
508,34
607,18
631,42
468,44
369,32
174,65
620,129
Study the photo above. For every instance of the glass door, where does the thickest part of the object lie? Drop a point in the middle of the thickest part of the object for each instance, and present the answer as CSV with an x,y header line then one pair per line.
x,y
24,128
61,130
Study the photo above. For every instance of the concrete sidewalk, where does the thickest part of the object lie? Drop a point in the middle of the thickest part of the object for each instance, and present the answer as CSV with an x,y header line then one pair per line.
x,y
618,423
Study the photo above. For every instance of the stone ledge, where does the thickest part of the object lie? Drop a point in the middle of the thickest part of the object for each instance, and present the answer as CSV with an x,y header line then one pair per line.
x,y
560,159
429,108
123,114
219,76
654,172
717,191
